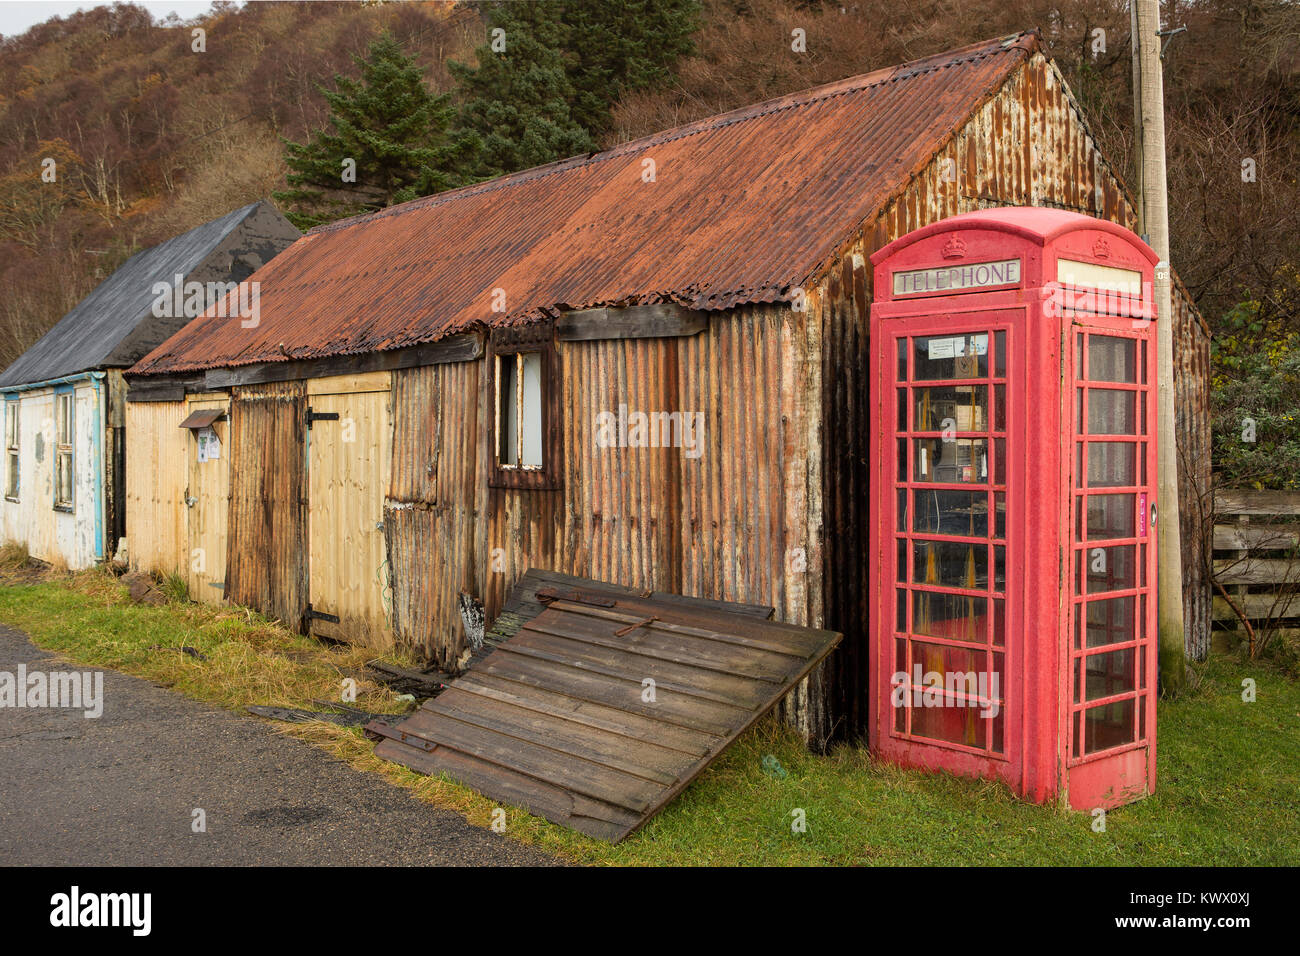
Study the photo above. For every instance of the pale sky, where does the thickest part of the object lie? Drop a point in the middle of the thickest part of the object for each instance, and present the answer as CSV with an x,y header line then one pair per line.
x,y
17,15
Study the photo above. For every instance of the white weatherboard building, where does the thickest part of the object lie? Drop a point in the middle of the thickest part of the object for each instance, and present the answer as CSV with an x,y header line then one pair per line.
x,y
64,410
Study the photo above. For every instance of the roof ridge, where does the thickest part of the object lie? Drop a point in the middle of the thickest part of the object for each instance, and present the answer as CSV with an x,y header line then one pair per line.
x,y
176,239
127,316
813,94
577,234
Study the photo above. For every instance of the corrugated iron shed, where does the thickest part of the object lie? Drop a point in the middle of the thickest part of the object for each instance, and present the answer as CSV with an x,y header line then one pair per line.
x,y
114,325
733,209
558,718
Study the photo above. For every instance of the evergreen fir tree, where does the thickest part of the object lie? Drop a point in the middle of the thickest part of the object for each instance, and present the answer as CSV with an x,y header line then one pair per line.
x,y
517,99
547,95
621,45
395,130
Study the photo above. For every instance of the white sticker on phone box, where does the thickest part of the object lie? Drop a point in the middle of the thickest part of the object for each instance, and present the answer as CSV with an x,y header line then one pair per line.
x,y
954,346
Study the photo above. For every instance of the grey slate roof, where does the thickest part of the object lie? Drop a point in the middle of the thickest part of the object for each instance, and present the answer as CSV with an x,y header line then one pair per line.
x,y
113,327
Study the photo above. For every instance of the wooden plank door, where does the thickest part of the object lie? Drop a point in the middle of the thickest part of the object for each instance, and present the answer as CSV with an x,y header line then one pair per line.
x,y
208,501
349,443
266,548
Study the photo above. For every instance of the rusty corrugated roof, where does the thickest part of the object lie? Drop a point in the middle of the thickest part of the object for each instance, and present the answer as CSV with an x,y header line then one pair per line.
x,y
743,207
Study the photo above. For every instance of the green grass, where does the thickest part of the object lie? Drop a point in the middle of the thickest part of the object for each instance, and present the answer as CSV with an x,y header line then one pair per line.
x,y
175,588
90,619
1228,775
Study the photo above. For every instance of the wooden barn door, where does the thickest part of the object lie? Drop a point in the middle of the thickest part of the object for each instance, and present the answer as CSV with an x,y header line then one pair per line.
x,y
265,567
207,500
349,445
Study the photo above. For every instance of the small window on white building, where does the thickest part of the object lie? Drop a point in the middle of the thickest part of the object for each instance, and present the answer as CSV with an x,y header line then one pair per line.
x,y
11,450
519,411
63,424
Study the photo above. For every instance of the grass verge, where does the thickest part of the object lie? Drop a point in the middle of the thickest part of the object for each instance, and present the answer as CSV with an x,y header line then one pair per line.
x,y
1228,770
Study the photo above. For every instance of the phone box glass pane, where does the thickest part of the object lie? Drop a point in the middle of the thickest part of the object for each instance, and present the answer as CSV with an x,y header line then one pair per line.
x,y
950,356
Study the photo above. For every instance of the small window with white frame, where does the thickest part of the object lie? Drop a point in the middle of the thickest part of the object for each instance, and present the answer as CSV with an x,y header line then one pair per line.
x,y
525,447
519,411
64,425
11,449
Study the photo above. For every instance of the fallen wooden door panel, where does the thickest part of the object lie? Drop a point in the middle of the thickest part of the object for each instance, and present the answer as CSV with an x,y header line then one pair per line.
x,y
604,705
522,604
554,803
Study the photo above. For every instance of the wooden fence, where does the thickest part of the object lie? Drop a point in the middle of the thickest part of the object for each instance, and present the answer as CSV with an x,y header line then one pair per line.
x,y
1257,565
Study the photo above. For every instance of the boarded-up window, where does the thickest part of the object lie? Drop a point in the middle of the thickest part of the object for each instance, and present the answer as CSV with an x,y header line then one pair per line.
x,y
63,424
11,450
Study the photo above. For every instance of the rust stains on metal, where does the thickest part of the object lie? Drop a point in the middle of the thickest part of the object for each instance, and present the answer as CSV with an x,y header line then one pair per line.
x,y
596,717
1195,493
683,216
1027,145
733,514
436,497
265,565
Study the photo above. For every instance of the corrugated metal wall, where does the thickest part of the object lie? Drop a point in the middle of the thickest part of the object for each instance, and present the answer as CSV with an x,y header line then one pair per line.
x,y
265,557
624,510
728,519
716,522
436,547
1025,146
751,505
845,310
1196,501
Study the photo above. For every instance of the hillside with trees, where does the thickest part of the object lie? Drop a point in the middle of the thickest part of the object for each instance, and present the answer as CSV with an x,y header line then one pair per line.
x,y
151,137
151,131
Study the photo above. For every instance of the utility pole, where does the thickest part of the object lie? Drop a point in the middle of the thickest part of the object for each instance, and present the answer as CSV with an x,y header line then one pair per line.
x,y
1153,218
1137,116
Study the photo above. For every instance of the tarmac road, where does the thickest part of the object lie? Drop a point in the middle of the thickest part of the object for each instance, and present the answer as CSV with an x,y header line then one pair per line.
x,y
120,790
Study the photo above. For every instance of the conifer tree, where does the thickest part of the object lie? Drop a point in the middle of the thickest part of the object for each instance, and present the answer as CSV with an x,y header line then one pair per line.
x,y
551,69
621,45
517,99
388,141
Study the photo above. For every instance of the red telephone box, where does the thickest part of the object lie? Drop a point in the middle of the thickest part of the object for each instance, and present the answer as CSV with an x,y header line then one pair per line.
x,y
1012,521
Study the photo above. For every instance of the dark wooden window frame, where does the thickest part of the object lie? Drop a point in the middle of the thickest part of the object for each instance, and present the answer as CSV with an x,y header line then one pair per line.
x,y
507,343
